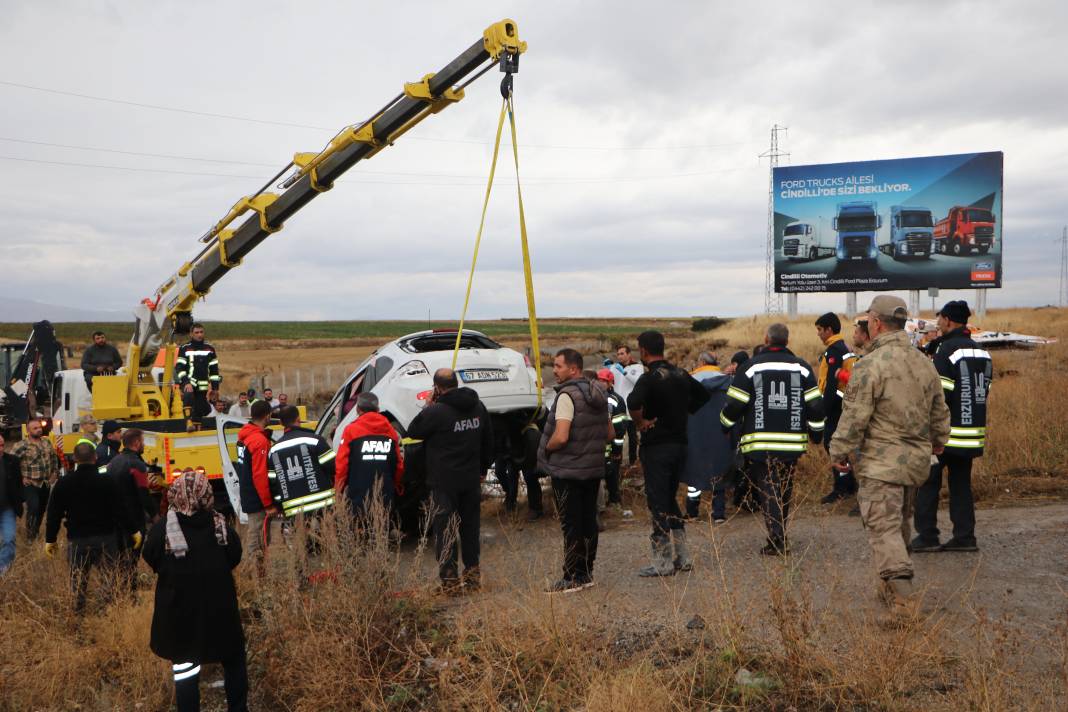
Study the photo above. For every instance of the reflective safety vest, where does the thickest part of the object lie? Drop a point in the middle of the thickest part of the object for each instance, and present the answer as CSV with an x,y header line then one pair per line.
x,y
966,372
300,472
198,365
617,411
780,402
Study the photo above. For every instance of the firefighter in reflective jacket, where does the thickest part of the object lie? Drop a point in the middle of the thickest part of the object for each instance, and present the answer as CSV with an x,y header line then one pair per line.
x,y
369,458
196,371
299,468
613,451
836,357
780,402
966,372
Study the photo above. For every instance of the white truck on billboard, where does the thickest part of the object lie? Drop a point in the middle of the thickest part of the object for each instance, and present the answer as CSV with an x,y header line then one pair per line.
x,y
802,241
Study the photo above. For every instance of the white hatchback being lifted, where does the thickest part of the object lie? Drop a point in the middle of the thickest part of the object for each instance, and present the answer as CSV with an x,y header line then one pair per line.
x,y
401,374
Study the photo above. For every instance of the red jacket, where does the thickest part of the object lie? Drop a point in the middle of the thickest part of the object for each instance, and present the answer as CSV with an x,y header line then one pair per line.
x,y
256,445
366,424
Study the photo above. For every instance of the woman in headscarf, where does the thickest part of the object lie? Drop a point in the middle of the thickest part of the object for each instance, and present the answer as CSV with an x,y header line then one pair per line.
x,y
196,619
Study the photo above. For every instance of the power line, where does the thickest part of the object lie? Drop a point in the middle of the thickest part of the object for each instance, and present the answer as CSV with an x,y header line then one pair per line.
x,y
535,181
296,125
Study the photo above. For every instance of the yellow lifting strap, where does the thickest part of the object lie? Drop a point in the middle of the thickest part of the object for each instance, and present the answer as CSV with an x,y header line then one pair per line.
x,y
507,108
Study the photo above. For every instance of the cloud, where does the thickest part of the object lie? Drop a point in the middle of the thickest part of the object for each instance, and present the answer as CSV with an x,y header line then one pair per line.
x,y
615,228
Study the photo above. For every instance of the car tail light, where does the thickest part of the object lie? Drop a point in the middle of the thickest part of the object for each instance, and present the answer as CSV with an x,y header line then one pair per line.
x,y
423,396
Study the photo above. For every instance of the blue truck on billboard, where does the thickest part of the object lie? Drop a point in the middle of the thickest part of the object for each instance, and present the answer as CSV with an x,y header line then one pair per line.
x,y
907,223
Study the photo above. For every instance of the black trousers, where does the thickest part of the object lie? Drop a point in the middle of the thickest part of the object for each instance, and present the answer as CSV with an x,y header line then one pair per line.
x,y
36,500
83,554
126,559
456,522
187,685
774,479
197,401
841,482
663,466
611,477
576,505
961,501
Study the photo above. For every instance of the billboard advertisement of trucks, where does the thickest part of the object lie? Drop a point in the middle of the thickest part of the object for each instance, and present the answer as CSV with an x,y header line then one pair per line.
x,y
908,223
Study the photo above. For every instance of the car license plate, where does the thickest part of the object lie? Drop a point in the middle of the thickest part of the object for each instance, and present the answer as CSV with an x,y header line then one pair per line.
x,y
478,375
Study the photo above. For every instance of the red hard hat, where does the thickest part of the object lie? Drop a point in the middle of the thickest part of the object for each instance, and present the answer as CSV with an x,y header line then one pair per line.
x,y
606,375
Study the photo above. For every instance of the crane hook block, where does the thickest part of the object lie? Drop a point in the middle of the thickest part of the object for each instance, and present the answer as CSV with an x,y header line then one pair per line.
x,y
503,37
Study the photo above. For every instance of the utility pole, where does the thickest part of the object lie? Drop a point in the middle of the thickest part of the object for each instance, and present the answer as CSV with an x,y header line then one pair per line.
x,y
1062,293
772,299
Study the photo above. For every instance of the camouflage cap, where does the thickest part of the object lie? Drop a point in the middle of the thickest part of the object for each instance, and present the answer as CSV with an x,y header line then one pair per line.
x,y
888,307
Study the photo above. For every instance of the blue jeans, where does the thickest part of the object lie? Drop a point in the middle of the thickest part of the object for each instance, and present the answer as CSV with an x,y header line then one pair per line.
x,y
7,534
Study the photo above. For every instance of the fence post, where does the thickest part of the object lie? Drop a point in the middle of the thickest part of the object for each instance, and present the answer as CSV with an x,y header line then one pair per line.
x,y
299,389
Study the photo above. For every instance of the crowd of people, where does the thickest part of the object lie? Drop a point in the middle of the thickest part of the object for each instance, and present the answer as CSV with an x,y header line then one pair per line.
x,y
893,418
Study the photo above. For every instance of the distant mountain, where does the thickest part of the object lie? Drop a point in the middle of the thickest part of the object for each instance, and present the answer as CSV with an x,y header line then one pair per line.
x,y
13,309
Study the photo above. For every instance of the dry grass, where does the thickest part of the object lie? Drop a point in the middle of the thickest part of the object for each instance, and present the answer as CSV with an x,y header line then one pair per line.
x,y
371,636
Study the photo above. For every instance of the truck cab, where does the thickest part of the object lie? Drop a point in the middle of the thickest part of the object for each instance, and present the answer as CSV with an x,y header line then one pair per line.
x,y
965,229
799,242
911,232
857,224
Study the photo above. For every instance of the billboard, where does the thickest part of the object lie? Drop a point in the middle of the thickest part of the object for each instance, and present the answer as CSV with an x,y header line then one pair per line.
x,y
907,223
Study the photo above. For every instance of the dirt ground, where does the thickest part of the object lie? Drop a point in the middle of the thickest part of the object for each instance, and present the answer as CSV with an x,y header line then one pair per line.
x,y
1018,578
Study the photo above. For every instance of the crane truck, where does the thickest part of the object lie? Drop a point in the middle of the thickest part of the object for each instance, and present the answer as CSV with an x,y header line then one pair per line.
x,y
143,394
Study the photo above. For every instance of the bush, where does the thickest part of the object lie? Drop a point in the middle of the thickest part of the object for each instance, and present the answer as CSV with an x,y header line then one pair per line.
x,y
708,323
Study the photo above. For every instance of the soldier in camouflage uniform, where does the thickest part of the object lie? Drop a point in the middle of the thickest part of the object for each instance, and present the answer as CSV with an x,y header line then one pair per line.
x,y
894,417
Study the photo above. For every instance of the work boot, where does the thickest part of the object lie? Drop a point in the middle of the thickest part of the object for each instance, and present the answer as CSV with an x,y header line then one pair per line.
x,y
693,508
472,580
956,544
663,564
534,515
683,561
919,545
775,547
833,497
903,604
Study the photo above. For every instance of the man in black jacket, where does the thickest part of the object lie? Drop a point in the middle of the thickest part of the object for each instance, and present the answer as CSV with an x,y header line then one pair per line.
x,y
966,372
100,359
836,355
197,372
572,452
110,440
10,505
85,500
660,404
458,439
300,467
129,475
777,399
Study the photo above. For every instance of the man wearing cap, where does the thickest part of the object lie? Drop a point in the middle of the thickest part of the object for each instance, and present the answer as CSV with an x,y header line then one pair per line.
x,y
965,371
893,418
111,438
617,411
87,431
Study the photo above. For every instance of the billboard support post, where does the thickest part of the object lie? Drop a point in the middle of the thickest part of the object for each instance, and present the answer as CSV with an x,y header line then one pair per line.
x,y
851,304
932,292
791,305
914,303
980,303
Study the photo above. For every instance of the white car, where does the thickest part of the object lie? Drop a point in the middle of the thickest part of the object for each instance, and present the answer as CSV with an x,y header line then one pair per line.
x,y
401,374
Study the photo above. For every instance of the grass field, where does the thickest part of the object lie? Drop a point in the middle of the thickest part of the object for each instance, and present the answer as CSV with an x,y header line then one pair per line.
x,y
74,334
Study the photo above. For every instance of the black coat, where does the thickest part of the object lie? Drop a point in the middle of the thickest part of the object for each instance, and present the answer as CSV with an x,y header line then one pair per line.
x,y
458,440
196,617
11,485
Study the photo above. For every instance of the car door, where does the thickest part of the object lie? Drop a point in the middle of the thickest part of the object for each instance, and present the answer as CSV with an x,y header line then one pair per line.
x,y
226,429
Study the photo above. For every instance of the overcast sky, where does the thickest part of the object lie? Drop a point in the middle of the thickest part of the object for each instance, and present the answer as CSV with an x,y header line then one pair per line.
x,y
640,127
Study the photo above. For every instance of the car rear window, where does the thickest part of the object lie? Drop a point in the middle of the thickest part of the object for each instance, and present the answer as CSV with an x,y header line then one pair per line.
x,y
446,342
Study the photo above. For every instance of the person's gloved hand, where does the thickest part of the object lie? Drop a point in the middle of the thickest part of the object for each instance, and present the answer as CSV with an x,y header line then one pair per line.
x,y
50,550
136,537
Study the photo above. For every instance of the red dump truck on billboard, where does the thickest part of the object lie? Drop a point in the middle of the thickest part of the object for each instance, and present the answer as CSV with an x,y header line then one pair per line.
x,y
965,230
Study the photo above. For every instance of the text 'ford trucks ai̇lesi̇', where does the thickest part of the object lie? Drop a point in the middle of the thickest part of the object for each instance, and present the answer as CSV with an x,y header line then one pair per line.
x,y
963,230
911,232
857,224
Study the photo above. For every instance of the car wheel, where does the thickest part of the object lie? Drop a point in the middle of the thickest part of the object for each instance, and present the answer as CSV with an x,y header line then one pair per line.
x,y
812,253
958,248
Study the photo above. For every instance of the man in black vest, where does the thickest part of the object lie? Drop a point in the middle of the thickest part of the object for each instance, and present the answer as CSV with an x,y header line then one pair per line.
x,y
660,404
572,452
458,439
